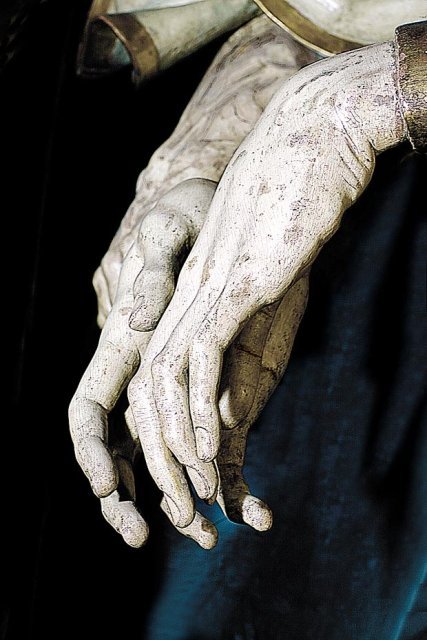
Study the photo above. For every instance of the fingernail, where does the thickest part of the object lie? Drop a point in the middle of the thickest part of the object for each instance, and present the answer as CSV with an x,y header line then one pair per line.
x,y
135,537
256,513
138,321
104,486
204,445
200,483
207,536
211,499
135,320
173,510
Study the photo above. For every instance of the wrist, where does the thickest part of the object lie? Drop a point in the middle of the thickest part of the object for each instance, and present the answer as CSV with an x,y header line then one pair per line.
x,y
369,99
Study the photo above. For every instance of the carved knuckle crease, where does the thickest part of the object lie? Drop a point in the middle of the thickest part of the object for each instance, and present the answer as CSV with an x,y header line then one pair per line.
x,y
136,390
174,442
166,365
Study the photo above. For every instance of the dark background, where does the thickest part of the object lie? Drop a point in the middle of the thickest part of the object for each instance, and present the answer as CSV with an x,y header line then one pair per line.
x,y
72,150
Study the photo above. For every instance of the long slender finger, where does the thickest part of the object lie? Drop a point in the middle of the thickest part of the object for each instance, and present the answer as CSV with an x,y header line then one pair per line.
x,y
234,495
238,301
119,508
168,392
174,420
201,530
267,344
88,428
166,472
123,514
170,381
113,365
163,455
287,319
108,373
242,367
166,236
99,282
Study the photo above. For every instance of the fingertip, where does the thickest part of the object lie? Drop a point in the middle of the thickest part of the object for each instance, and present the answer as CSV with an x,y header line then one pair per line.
x,y
256,513
139,322
153,292
180,516
103,487
207,456
233,408
101,470
125,518
207,448
200,530
207,537
146,317
137,535
205,481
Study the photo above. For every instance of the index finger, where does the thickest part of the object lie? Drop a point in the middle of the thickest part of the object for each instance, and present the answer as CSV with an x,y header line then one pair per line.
x,y
112,366
108,373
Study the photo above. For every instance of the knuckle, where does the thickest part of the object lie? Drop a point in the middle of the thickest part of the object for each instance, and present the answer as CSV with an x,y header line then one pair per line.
x,y
199,339
162,226
135,390
98,280
159,367
109,261
151,223
174,442
166,365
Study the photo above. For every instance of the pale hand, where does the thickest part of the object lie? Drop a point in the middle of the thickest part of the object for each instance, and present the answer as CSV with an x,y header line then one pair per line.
x,y
281,198
236,88
256,363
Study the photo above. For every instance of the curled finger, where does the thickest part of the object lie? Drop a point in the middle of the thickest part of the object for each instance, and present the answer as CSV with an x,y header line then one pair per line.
x,y
165,237
201,530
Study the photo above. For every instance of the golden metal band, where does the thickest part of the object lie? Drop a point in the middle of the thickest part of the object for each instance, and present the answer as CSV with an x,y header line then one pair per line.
x,y
100,37
303,30
411,45
138,42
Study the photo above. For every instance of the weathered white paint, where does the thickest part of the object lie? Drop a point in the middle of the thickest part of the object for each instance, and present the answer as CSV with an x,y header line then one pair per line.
x,y
125,6
245,282
281,198
364,21
232,95
235,90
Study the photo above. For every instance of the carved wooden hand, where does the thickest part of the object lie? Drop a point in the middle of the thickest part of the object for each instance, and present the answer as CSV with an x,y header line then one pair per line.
x,y
255,364
242,78
227,104
281,198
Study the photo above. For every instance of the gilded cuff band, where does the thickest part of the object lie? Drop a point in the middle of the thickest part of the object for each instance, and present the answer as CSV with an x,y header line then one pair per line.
x,y
411,47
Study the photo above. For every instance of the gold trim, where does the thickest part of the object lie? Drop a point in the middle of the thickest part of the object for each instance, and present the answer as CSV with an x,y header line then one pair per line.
x,y
138,42
100,36
411,50
303,30
98,7
86,57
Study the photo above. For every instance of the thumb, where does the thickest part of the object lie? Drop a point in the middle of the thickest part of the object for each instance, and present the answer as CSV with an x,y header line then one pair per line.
x,y
165,238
